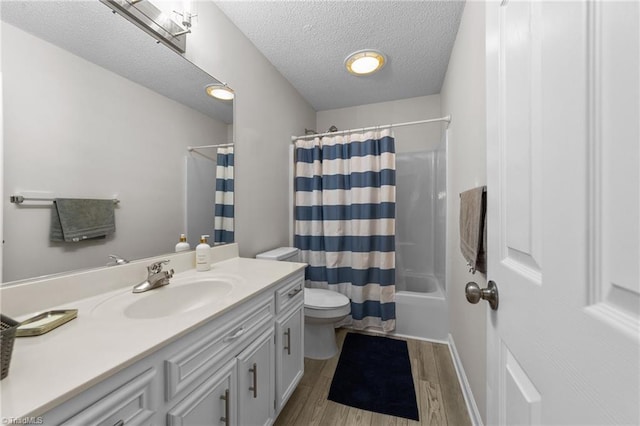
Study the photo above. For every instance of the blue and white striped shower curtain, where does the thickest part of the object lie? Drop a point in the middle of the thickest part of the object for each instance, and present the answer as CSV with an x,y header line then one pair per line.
x,y
223,226
345,221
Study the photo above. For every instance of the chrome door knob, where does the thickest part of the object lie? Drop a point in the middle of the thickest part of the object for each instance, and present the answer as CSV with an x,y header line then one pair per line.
x,y
474,293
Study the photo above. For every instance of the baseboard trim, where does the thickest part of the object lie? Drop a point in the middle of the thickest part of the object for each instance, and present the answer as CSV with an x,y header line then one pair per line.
x,y
403,336
424,339
472,407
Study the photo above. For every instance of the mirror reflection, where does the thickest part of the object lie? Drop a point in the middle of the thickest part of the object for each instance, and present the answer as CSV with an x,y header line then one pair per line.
x,y
94,108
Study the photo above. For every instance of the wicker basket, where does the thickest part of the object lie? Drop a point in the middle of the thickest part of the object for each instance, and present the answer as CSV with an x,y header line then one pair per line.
x,y
7,337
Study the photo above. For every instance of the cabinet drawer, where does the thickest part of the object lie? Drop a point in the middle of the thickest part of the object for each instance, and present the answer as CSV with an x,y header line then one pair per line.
x,y
129,404
202,356
290,293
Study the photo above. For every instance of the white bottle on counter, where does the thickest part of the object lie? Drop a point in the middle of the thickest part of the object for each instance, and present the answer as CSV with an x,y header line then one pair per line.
x,y
183,245
203,255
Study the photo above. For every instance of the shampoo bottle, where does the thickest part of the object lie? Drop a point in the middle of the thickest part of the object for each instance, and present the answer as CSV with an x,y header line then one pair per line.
x,y
203,255
183,245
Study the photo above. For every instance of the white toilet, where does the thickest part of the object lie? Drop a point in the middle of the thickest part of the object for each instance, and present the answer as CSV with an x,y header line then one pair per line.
x,y
322,310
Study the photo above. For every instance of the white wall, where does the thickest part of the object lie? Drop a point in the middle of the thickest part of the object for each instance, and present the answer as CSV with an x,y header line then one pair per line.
x,y
267,112
463,96
74,129
408,139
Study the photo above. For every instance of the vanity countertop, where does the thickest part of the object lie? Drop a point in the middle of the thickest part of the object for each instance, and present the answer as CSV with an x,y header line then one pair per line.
x,y
50,369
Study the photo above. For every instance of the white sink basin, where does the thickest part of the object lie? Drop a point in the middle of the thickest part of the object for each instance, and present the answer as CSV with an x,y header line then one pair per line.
x,y
165,301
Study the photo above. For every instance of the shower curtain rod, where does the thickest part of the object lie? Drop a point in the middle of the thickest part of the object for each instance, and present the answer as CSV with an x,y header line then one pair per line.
x,y
218,145
195,149
386,126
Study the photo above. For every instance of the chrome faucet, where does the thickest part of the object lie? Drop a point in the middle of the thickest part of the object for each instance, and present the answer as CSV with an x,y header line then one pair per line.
x,y
156,277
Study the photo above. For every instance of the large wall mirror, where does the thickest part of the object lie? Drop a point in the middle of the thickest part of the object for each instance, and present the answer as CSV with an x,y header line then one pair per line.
x,y
95,108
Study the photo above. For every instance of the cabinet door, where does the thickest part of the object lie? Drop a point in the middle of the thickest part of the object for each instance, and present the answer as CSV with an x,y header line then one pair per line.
x,y
256,375
211,403
289,355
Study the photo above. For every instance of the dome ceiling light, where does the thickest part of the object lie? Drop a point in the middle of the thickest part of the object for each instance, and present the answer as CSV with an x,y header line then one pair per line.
x,y
220,91
365,62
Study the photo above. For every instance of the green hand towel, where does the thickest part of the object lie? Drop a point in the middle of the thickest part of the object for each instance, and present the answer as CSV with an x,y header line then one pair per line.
x,y
74,220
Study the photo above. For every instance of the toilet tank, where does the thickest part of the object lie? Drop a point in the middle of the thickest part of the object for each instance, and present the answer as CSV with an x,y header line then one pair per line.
x,y
285,254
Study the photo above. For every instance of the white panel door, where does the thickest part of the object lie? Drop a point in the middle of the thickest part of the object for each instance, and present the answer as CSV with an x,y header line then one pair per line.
x,y
563,108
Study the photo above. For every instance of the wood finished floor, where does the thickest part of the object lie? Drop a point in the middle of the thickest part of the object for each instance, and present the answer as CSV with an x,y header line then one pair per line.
x,y
440,400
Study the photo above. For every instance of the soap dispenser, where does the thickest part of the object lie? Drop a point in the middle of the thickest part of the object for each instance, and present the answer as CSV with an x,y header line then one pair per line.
x,y
183,245
203,254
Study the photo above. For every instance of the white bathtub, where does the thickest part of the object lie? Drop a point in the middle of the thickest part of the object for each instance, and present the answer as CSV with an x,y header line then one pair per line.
x,y
422,314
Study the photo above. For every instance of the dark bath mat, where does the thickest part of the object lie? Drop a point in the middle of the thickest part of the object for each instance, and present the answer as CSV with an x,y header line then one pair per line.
x,y
374,374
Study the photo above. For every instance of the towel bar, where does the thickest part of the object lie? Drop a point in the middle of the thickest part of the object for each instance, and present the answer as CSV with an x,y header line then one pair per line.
x,y
19,199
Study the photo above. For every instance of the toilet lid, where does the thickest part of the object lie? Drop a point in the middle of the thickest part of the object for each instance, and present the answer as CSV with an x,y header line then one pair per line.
x,y
318,298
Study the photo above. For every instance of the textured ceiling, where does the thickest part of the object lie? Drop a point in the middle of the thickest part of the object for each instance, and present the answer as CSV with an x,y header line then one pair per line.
x,y
307,41
90,30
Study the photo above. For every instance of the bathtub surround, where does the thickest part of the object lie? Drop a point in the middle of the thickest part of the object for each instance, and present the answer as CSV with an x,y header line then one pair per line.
x,y
423,314
420,202
421,305
345,221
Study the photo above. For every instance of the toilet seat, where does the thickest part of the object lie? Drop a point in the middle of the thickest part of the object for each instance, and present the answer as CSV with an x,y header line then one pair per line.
x,y
320,303
319,298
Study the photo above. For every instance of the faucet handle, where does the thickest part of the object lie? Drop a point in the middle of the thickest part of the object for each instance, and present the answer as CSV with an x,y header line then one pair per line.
x,y
156,267
116,260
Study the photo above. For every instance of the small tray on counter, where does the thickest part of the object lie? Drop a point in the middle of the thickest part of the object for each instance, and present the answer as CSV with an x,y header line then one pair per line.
x,y
45,322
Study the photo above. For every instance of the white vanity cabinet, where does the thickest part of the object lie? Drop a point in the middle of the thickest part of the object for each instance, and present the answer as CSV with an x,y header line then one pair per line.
x,y
237,341
238,368
289,338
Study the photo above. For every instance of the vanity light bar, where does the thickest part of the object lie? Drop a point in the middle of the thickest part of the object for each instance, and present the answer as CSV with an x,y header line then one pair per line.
x,y
146,16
